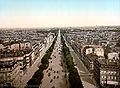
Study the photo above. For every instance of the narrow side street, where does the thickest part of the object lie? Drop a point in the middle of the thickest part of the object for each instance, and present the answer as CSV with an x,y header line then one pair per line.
x,y
84,74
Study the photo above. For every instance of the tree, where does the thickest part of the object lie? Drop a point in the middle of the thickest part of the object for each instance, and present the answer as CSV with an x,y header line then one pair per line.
x,y
38,75
33,83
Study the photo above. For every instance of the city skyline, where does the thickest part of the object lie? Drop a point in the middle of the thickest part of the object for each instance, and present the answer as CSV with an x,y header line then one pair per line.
x,y
59,13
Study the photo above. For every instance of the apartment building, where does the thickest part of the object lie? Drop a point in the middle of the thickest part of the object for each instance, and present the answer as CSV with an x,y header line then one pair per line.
x,y
10,72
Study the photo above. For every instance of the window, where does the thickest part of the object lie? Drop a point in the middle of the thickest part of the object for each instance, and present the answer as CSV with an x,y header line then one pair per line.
x,y
110,61
111,77
105,77
101,72
5,74
102,76
104,71
20,64
108,72
111,72
113,60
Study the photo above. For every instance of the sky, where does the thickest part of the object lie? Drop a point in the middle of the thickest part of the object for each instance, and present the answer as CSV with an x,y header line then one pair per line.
x,y
59,13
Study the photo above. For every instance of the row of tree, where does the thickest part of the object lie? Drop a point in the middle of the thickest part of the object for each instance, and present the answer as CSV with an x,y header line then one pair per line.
x,y
74,78
35,81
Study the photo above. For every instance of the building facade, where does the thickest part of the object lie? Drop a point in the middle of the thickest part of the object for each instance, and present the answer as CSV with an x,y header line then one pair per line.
x,y
109,70
10,73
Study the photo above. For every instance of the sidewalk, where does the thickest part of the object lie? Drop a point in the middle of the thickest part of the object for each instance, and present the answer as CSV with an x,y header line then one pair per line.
x,y
30,72
86,80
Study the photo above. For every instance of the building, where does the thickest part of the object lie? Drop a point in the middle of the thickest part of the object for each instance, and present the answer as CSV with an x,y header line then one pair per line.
x,y
109,69
19,45
99,51
50,37
13,65
1,46
109,72
113,56
10,72
93,67
89,51
36,51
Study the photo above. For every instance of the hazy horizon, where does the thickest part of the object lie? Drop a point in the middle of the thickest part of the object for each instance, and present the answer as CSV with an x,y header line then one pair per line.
x,y
58,13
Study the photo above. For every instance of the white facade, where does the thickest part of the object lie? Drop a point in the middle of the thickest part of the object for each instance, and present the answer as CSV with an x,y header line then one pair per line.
x,y
99,51
19,46
111,77
1,46
25,44
113,55
14,46
89,50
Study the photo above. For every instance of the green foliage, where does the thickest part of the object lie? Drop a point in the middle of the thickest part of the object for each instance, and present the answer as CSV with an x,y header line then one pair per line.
x,y
74,77
35,81
43,66
38,74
